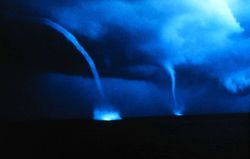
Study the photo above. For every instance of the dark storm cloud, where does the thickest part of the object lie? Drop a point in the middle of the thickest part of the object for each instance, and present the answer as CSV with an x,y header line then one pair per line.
x,y
211,35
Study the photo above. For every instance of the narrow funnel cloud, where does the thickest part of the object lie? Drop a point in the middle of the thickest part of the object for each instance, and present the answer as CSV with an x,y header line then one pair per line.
x,y
177,110
171,72
69,36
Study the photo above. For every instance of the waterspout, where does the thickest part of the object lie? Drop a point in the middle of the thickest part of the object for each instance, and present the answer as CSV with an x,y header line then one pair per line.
x,y
177,109
70,37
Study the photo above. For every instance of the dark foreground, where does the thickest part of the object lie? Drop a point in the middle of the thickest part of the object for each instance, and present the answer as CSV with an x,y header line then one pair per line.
x,y
217,136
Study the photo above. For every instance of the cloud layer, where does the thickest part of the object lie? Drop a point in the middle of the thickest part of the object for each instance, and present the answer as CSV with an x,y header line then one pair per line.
x,y
211,36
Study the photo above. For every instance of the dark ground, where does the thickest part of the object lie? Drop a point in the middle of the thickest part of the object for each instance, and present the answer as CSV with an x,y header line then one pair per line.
x,y
216,136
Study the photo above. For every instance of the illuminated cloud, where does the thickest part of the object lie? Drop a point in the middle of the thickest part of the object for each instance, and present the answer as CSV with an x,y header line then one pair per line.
x,y
210,34
238,82
207,33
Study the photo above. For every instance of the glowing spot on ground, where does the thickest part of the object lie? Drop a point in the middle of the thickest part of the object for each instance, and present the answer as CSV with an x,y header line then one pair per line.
x,y
106,115
178,113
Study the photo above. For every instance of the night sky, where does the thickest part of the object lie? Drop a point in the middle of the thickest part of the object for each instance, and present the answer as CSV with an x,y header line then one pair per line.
x,y
132,43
